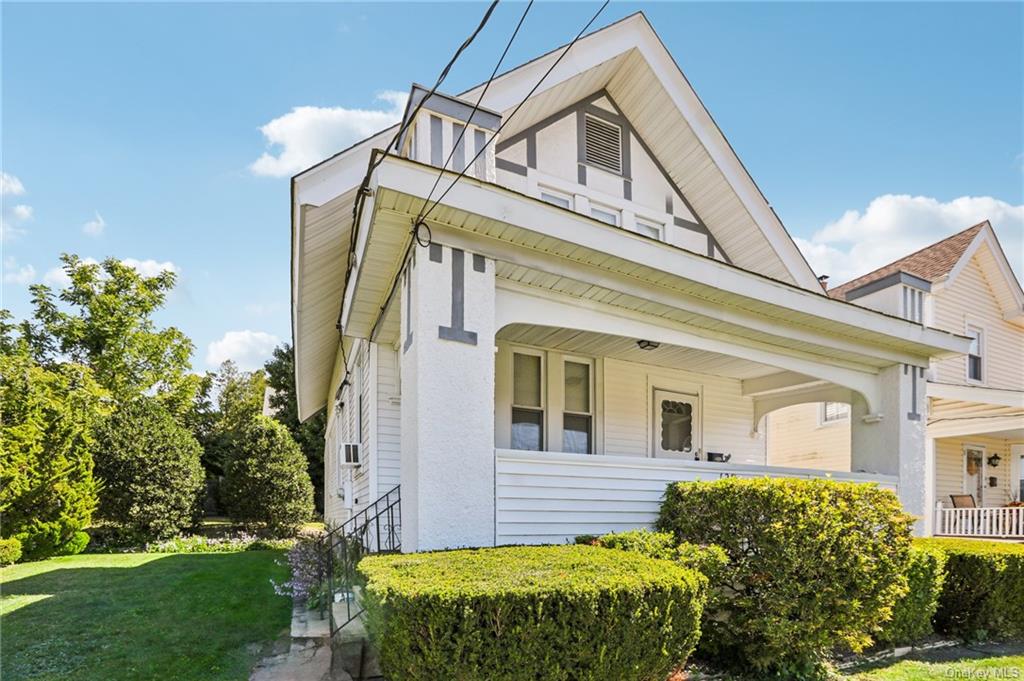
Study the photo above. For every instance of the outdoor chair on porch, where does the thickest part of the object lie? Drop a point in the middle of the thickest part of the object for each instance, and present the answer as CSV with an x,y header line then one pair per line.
x,y
963,500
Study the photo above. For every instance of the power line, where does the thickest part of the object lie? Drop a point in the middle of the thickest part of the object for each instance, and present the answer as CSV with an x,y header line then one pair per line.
x,y
476,107
357,207
421,221
469,165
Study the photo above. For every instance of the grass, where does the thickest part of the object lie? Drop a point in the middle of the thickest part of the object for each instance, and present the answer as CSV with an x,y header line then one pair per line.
x,y
140,616
991,661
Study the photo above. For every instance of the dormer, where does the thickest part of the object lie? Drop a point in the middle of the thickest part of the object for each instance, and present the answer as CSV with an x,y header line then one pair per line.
x,y
443,123
900,294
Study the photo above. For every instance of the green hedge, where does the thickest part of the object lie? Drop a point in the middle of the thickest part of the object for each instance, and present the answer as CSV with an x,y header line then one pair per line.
x,y
912,615
983,595
10,551
531,613
814,565
707,560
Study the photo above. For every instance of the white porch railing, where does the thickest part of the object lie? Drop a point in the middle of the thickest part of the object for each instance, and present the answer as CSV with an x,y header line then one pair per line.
x,y
1003,523
551,497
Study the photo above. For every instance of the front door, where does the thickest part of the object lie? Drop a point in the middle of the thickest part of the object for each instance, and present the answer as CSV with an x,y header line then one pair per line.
x,y
974,474
676,425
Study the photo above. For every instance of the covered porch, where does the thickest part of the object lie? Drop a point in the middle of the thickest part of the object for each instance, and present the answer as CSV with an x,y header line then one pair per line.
x,y
977,436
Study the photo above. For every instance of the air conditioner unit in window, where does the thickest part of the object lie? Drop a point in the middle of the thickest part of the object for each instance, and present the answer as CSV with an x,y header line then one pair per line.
x,y
349,452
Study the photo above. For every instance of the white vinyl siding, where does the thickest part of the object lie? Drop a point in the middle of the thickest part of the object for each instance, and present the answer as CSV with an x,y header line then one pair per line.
x,y
726,416
389,426
795,437
949,469
970,301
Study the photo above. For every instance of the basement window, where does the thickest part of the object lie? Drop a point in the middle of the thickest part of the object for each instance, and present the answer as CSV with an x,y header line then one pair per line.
x,y
602,144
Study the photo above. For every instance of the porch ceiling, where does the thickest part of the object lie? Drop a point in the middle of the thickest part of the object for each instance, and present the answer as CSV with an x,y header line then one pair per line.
x,y
575,342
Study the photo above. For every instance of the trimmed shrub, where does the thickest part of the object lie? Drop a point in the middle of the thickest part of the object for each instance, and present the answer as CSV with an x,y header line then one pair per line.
x,y
707,560
47,423
912,615
10,551
983,595
527,613
265,480
814,565
151,472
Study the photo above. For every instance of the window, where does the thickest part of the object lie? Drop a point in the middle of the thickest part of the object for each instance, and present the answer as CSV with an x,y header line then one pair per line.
x,y
609,215
676,426
556,198
974,355
648,228
1020,481
602,144
913,304
527,402
833,412
578,416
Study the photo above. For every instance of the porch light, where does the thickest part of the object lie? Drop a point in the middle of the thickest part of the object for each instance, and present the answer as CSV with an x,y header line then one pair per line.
x,y
994,460
647,345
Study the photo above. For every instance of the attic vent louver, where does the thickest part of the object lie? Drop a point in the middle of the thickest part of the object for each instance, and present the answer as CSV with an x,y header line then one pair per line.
x,y
603,144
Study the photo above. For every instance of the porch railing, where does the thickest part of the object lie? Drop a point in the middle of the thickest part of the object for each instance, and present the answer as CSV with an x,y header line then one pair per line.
x,y
375,529
1001,523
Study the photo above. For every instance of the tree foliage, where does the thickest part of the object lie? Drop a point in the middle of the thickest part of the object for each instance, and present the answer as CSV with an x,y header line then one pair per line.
x,y
266,481
104,320
47,422
283,400
151,472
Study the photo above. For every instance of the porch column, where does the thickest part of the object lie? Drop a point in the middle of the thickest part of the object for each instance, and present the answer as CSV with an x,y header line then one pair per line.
x,y
891,438
447,362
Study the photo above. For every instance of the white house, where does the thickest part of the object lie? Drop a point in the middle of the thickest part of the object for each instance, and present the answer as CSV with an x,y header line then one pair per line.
x,y
974,435
604,303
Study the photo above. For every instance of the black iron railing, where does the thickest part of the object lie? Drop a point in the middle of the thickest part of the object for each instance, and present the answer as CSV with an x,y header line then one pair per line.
x,y
375,529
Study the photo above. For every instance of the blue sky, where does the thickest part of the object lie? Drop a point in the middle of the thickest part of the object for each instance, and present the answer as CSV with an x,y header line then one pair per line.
x,y
131,130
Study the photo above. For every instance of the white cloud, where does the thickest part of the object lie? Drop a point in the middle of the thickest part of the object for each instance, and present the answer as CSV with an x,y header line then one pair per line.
x,y
248,349
20,276
10,185
895,225
95,226
12,221
57,277
309,134
150,268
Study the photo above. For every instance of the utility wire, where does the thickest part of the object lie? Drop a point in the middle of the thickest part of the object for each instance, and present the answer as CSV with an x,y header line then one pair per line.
x,y
476,107
421,221
469,165
357,207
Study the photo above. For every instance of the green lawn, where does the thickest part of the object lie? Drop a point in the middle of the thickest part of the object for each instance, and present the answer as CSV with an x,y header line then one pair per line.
x,y
1001,667
140,616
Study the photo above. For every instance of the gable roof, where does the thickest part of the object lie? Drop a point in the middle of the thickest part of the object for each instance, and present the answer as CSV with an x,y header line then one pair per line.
x,y
628,60
944,260
930,263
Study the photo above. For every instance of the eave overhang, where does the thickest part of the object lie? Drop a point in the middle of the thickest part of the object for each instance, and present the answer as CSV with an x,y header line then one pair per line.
x,y
504,224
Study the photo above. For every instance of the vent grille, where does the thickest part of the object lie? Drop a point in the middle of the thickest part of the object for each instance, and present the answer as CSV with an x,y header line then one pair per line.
x,y
603,144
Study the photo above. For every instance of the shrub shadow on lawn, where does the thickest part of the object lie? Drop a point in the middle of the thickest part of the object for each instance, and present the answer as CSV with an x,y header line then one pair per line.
x,y
126,616
964,653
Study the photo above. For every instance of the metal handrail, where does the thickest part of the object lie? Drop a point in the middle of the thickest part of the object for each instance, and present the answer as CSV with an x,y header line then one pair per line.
x,y
375,529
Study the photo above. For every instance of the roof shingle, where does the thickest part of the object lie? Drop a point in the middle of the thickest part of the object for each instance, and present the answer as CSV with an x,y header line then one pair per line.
x,y
930,263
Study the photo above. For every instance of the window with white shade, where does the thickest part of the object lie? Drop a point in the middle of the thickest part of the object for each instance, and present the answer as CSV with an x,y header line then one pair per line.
x,y
649,228
578,414
974,354
834,412
605,214
527,401
555,198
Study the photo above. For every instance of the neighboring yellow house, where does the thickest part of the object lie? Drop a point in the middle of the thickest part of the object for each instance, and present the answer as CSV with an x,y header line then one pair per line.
x,y
975,412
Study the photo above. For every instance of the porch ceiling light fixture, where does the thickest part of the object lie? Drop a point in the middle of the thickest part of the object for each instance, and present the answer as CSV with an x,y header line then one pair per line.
x,y
647,345
994,460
